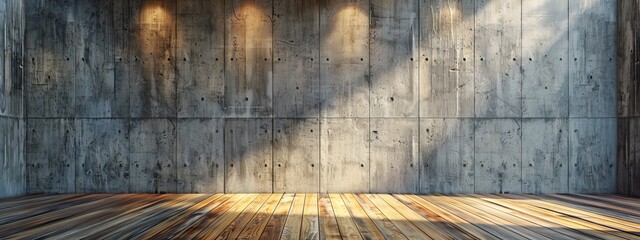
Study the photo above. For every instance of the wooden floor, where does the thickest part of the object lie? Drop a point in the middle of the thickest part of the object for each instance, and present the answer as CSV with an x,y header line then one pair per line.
x,y
313,216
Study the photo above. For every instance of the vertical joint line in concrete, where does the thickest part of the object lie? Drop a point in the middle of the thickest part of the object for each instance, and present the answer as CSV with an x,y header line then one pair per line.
x,y
224,80
419,163
369,83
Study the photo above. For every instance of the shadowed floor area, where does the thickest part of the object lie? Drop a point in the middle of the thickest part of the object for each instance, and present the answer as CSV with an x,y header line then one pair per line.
x,y
324,216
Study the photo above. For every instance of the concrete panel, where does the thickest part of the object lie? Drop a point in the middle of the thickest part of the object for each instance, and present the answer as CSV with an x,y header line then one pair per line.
x,y
152,58
394,58
545,58
296,65
394,155
12,159
121,21
446,155
628,55
11,76
545,160
97,92
592,155
592,51
50,156
102,156
446,61
200,58
344,56
296,155
249,62
498,80
498,156
152,145
50,58
248,155
344,155
200,156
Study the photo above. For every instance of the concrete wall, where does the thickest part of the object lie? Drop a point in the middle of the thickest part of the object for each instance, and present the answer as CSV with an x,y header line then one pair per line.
x,y
12,124
420,96
629,97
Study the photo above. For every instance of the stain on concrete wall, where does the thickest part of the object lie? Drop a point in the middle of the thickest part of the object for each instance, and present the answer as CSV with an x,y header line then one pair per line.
x,y
325,95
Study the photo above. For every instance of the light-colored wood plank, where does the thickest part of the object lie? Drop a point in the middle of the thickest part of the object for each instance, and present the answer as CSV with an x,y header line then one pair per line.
x,y
220,224
257,224
424,224
384,224
310,218
403,224
328,223
209,217
232,230
293,224
276,222
348,229
367,228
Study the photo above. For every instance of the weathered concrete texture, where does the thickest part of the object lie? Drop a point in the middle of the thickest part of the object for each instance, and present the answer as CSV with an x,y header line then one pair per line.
x,y
393,40
394,155
344,155
498,41
296,155
102,155
344,66
200,167
545,160
152,86
12,26
98,93
628,99
628,155
447,155
50,156
248,155
544,59
152,150
12,164
50,53
498,156
446,61
296,65
628,22
592,155
200,67
592,58
248,68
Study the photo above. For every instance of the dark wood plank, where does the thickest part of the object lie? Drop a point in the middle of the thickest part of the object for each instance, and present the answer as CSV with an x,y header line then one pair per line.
x,y
276,222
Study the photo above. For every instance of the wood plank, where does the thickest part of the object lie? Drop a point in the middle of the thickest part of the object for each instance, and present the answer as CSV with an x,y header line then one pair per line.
x,y
310,218
328,224
248,155
16,214
393,155
633,203
402,223
568,220
532,218
348,229
384,224
477,221
256,226
163,229
215,228
232,230
293,224
209,217
276,223
19,203
422,223
598,203
458,231
365,225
